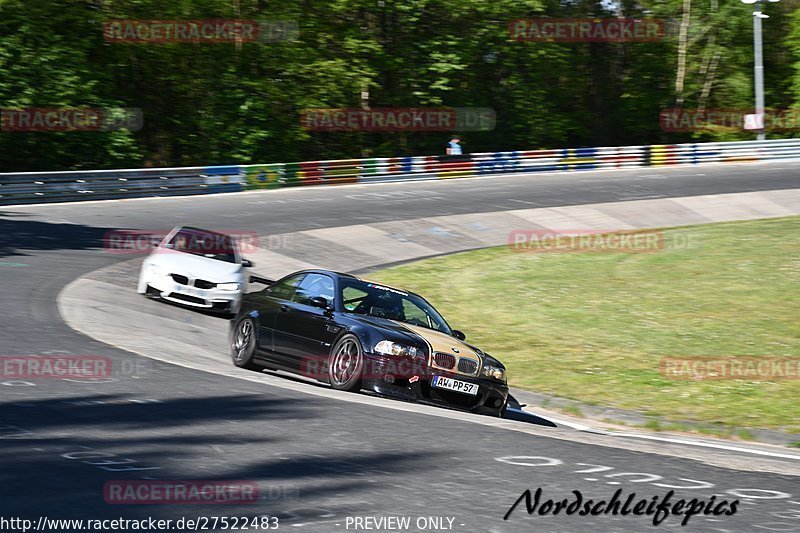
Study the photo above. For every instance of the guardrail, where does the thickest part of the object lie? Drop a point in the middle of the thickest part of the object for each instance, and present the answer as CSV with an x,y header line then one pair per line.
x,y
41,187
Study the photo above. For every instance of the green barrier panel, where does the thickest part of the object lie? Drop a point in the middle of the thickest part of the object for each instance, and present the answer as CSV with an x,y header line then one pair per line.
x,y
264,176
370,167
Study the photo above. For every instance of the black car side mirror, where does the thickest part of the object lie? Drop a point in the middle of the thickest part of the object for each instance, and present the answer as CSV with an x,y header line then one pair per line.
x,y
319,301
247,263
259,279
459,335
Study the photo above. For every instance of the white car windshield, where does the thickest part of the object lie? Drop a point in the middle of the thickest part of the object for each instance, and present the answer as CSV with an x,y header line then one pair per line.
x,y
204,243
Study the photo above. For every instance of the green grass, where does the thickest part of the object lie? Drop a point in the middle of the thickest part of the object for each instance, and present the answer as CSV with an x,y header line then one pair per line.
x,y
572,410
593,326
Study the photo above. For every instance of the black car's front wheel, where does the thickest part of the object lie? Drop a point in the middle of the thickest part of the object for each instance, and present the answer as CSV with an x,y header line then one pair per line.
x,y
346,364
243,344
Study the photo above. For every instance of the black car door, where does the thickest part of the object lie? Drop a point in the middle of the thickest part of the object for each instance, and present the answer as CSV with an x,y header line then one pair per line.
x,y
303,331
271,304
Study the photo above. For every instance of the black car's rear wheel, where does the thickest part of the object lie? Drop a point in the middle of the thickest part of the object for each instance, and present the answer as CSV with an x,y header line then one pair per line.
x,y
346,364
243,344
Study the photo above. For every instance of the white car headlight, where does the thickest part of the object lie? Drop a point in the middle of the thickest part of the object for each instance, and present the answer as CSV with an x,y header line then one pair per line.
x,y
491,371
393,348
228,286
154,270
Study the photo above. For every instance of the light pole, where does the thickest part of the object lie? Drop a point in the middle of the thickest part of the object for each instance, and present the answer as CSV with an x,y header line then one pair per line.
x,y
758,70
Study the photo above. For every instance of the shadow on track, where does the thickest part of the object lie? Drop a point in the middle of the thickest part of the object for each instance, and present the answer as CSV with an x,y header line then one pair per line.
x,y
61,452
117,413
18,235
514,412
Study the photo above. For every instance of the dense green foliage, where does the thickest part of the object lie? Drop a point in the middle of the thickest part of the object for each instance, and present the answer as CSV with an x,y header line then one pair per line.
x,y
240,103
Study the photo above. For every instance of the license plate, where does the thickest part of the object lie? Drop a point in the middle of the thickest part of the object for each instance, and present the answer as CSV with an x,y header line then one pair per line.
x,y
190,291
442,382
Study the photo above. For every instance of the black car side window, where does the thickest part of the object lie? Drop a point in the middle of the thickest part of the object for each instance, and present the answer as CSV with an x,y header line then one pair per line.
x,y
312,286
352,297
415,315
285,289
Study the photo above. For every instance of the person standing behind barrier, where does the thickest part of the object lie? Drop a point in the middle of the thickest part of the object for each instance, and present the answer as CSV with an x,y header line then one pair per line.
x,y
453,147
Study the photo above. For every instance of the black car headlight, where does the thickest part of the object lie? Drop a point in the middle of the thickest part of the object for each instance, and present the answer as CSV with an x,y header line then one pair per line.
x,y
393,348
492,371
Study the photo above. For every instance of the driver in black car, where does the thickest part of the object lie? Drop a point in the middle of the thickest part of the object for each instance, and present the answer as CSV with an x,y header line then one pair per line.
x,y
385,305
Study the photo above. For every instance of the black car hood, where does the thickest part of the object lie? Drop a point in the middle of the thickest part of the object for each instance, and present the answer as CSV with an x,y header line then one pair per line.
x,y
391,329
420,337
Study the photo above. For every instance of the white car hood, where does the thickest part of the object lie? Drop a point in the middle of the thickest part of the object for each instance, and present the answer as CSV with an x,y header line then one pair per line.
x,y
196,266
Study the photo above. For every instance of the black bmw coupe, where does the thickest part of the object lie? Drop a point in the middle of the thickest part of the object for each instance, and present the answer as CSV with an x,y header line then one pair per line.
x,y
354,334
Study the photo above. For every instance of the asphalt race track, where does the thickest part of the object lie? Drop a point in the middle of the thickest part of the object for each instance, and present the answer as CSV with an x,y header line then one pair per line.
x,y
319,461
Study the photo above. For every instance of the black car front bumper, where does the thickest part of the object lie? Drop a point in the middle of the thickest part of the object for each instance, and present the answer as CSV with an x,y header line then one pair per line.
x,y
411,379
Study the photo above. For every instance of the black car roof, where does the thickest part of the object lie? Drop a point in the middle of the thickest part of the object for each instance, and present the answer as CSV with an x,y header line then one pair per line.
x,y
351,276
324,271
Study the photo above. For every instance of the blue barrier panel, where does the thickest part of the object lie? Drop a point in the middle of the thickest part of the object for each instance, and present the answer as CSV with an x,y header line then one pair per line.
x,y
497,162
584,158
571,161
484,167
509,161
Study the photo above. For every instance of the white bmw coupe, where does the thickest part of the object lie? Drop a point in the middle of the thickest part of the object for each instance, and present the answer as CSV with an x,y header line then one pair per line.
x,y
195,267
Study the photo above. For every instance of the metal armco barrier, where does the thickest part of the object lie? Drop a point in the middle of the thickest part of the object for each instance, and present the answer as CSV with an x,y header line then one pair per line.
x,y
41,187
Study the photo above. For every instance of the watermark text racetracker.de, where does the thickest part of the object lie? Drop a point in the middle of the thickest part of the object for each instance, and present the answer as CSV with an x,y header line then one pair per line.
x,y
615,30
586,240
59,119
55,367
195,523
199,31
411,369
145,241
675,120
20,368
150,492
387,119
700,368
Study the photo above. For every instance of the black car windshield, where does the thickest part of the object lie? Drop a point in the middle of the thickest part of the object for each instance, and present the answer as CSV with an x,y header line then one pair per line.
x,y
204,243
365,298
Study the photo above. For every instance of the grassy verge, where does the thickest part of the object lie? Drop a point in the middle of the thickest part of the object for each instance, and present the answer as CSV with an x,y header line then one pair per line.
x,y
594,326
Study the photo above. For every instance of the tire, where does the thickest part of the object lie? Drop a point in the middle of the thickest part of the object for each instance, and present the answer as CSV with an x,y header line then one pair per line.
x,y
243,344
346,364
